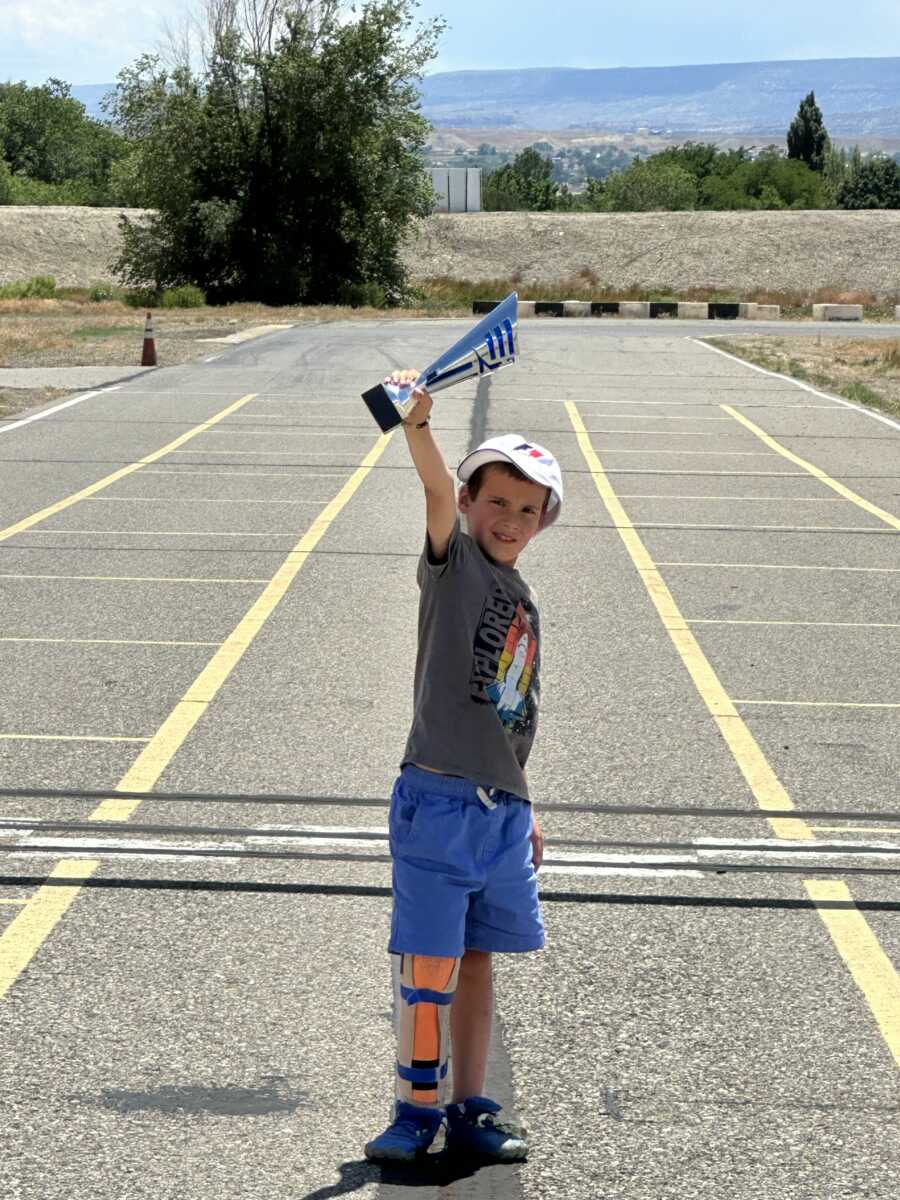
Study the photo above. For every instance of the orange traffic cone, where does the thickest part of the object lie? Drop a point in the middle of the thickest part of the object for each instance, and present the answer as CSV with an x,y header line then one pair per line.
x,y
148,358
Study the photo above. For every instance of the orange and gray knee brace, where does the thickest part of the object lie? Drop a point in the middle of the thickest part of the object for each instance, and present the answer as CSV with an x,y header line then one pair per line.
x,y
423,992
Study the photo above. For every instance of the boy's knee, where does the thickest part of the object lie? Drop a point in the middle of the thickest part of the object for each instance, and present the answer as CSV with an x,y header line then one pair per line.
x,y
476,963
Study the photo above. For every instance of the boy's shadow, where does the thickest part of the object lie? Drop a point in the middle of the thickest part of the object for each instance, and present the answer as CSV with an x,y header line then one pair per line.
x,y
436,1171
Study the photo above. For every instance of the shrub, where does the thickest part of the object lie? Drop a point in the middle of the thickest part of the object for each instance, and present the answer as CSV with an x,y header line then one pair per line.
x,y
142,297
98,292
362,295
648,187
40,287
186,296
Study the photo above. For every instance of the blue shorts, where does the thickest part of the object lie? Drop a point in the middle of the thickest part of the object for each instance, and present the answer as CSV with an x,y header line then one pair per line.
x,y
463,875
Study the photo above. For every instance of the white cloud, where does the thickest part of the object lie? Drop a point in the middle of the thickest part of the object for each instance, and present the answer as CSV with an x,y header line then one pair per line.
x,y
83,41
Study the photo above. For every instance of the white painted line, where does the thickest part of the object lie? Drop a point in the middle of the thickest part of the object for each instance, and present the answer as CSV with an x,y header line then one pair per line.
x,y
797,383
811,704
743,499
65,737
712,848
48,412
816,624
196,500
163,533
778,567
103,641
136,578
264,474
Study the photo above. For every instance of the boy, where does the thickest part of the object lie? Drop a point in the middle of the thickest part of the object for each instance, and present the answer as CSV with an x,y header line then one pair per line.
x,y
464,843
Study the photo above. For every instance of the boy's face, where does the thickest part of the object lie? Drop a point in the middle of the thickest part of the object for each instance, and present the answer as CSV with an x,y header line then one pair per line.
x,y
505,515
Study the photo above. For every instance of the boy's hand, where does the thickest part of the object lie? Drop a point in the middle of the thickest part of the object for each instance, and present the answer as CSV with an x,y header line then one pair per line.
x,y
422,397
537,843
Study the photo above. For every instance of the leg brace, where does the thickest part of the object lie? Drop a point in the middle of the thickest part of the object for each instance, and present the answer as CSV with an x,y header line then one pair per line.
x,y
423,993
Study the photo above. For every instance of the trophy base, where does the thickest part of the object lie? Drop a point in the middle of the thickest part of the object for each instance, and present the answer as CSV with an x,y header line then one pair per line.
x,y
382,408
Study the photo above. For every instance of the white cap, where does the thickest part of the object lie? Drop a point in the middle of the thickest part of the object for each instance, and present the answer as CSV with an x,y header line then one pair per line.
x,y
531,459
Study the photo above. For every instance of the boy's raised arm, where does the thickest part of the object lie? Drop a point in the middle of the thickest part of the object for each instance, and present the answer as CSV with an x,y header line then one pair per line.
x,y
440,491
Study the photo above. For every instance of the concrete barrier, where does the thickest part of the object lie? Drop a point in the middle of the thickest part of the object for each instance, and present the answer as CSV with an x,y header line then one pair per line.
x,y
634,308
837,312
692,310
687,310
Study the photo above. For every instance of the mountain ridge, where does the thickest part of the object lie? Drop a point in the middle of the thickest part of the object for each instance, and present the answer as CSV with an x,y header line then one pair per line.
x,y
858,97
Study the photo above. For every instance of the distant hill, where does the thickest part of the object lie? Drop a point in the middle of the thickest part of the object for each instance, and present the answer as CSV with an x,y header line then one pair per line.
x,y
858,96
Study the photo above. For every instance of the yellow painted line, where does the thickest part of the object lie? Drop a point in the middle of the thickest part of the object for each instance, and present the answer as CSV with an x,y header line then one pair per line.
x,y
763,782
2,901
104,641
137,578
814,624
156,756
65,737
42,912
778,567
872,970
817,472
27,932
814,704
170,448
854,939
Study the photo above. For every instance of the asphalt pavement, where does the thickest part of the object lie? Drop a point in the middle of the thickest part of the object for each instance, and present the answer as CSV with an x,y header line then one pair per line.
x,y
207,586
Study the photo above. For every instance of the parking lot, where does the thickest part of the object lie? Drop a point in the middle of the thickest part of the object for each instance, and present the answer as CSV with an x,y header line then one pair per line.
x,y
207,585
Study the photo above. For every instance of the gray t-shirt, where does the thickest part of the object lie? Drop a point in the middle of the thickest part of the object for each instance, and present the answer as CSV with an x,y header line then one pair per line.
x,y
477,684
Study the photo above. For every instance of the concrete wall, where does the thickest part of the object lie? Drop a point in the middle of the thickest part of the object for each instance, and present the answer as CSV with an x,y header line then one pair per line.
x,y
458,189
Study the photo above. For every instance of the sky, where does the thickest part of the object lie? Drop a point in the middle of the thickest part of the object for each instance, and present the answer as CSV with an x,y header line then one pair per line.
x,y
90,41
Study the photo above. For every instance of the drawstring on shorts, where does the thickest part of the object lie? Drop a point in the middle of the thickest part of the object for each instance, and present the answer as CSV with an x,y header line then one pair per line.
x,y
485,797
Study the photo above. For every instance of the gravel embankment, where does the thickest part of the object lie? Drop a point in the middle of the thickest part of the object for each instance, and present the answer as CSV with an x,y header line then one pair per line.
x,y
779,251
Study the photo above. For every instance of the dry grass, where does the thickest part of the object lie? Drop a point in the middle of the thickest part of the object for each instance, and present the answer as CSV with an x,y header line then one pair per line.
x,y
864,370
72,333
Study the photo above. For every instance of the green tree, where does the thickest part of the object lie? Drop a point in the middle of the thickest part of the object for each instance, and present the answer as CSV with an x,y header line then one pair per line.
x,y
525,184
47,138
650,187
835,172
6,184
289,167
875,183
807,138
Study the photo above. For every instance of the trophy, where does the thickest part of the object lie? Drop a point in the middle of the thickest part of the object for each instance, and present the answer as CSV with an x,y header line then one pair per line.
x,y
492,344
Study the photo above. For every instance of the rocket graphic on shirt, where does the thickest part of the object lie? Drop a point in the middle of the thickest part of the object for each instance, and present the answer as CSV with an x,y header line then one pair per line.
x,y
505,660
